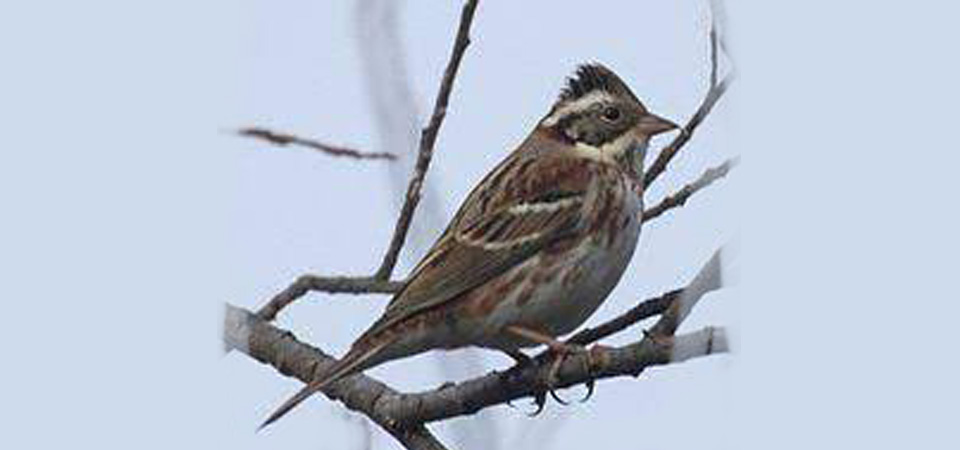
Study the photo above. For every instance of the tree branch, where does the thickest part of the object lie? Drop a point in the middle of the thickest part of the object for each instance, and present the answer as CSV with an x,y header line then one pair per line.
x,y
402,414
283,139
645,310
394,112
679,198
428,138
380,282
333,285
714,93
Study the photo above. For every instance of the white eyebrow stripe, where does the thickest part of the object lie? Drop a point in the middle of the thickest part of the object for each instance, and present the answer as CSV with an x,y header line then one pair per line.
x,y
580,104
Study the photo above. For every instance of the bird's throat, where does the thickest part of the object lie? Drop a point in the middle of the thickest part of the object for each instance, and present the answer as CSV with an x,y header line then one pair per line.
x,y
611,152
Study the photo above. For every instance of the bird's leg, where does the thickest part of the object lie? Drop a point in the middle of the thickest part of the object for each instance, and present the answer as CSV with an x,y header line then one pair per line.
x,y
561,349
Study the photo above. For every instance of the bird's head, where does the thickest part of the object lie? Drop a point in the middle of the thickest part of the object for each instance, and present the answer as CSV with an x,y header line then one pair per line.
x,y
597,112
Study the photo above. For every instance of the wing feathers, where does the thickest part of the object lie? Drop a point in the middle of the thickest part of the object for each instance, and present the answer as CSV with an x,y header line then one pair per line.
x,y
533,205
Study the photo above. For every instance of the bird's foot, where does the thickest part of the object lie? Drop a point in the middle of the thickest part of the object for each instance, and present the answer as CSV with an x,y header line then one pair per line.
x,y
591,364
560,351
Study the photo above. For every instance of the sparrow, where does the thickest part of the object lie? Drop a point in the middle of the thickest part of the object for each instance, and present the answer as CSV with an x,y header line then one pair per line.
x,y
537,245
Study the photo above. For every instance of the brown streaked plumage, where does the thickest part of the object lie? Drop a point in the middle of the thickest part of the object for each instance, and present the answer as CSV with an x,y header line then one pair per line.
x,y
536,246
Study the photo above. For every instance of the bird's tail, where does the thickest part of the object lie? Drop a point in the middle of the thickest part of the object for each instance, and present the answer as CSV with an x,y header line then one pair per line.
x,y
356,360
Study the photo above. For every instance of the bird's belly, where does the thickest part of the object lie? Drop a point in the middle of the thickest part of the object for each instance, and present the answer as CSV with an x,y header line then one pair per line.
x,y
556,296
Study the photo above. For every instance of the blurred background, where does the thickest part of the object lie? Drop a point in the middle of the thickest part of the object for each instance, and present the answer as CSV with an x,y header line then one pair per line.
x,y
131,212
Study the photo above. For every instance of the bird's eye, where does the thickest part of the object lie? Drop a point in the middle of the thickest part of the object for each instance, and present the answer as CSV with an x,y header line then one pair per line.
x,y
611,114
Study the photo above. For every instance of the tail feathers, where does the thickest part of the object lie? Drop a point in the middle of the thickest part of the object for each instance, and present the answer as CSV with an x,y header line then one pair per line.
x,y
352,363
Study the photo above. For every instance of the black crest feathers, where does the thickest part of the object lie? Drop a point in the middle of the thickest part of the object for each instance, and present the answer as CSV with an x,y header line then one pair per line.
x,y
592,77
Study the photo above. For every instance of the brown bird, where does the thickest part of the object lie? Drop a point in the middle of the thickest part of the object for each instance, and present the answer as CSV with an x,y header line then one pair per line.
x,y
537,245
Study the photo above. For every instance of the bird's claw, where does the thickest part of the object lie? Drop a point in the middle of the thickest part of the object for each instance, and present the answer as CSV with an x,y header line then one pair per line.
x,y
560,400
591,384
552,379
539,399
553,375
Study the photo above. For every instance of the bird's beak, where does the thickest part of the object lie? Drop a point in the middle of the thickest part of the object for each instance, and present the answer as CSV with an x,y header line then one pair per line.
x,y
652,125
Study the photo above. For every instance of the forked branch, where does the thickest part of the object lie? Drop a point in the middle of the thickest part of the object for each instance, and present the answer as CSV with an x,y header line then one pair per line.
x,y
380,282
401,414
679,198
714,93
333,285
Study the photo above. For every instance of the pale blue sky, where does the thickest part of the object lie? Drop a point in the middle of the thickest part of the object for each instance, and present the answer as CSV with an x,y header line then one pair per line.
x,y
130,213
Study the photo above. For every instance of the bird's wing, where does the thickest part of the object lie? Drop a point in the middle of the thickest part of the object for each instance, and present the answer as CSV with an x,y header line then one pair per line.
x,y
523,206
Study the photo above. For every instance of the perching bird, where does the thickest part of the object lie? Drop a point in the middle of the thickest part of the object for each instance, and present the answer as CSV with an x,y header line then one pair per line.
x,y
536,247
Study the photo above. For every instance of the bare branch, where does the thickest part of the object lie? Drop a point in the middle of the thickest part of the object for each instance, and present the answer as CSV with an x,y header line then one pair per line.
x,y
714,64
470,396
333,285
714,93
403,415
283,139
646,309
394,110
679,198
667,154
428,138
379,282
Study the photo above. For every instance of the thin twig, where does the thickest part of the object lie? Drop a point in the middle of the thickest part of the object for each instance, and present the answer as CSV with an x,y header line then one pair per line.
x,y
333,285
428,138
680,197
379,282
667,154
716,91
283,139
714,64
646,309
394,112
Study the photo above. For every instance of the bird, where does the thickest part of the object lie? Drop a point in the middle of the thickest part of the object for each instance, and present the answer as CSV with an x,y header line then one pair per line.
x,y
536,246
